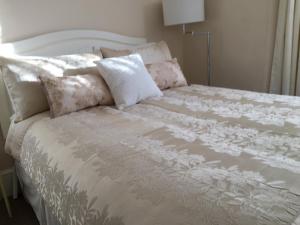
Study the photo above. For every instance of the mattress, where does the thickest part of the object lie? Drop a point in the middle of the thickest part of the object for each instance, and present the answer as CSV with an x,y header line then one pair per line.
x,y
198,155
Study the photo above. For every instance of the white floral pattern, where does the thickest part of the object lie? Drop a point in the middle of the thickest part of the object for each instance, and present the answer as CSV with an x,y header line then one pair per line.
x,y
160,162
263,114
232,94
273,149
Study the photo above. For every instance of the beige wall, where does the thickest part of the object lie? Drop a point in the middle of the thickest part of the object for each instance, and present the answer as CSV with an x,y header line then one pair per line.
x,y
243,39
141,18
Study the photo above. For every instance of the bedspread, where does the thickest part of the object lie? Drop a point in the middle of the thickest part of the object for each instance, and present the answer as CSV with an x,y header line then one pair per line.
x,y
197,156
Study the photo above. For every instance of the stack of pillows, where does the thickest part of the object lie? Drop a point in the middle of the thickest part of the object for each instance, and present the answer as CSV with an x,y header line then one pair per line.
x,y
70,83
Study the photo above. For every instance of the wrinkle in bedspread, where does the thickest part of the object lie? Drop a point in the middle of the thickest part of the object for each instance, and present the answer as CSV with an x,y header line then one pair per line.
x,y
195,156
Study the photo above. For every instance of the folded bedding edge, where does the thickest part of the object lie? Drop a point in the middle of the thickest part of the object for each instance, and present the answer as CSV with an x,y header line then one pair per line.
x,y
34,198
17,132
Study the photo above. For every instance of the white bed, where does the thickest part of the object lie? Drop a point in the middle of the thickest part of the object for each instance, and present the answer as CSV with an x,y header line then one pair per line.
x,y
197,155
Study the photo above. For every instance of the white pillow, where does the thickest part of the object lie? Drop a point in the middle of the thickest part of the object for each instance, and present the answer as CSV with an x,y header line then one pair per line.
x,y
128,80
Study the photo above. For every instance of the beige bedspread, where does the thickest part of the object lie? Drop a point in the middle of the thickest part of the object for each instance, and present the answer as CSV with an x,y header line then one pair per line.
x,y
197,156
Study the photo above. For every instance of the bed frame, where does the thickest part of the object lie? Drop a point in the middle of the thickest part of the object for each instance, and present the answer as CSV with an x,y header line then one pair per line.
x,y
59,43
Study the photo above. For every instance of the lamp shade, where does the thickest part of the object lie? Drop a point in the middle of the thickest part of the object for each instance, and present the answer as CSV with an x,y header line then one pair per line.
x,y
183,11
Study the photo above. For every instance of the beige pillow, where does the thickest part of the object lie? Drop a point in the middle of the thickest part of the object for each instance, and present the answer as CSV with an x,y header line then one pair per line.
x,y
150,53
82,71
73,93
21,77
111,53
167,74
154,52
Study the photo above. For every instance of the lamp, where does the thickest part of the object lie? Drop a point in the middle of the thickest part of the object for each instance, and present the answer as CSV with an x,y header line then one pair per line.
x,y
182,12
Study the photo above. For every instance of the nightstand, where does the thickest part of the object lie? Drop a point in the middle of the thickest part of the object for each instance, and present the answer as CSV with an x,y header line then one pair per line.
x,y
3,192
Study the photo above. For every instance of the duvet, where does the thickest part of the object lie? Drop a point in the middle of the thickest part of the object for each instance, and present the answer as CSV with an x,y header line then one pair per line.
x,y
197,156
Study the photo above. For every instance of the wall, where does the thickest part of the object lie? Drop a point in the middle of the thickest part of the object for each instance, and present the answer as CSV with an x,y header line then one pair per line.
x,y
243,42
141,18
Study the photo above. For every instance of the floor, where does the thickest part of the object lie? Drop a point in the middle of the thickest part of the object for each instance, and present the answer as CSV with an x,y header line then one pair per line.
x,y
22,213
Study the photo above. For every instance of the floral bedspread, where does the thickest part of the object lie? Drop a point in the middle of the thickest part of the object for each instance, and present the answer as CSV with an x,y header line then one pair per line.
x,y
197,156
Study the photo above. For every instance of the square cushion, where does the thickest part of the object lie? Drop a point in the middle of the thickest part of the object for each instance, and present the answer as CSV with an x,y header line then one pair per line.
x,y
150,53
111,53
167,74
128,80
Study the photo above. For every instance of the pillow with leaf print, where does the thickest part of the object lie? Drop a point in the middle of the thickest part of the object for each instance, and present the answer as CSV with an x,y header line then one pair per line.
x,y
73,93
167,74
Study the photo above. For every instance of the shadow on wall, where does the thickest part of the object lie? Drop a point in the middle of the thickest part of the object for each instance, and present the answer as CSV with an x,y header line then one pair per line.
x,y
243,42
38,17
0,33
141,18
195,51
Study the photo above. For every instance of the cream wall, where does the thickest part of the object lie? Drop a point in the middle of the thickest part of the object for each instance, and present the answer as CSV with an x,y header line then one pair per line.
x,y
243,42
141,18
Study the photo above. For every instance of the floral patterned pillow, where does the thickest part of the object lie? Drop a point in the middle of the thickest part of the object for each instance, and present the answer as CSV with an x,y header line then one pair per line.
x,y
73,93
167,74
111,53
150,52
154,52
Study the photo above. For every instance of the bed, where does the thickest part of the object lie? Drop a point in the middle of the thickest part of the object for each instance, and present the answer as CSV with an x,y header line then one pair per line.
x,y
198,155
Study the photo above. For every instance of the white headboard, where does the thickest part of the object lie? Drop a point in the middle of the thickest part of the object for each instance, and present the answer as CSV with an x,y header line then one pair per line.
x,y
59,43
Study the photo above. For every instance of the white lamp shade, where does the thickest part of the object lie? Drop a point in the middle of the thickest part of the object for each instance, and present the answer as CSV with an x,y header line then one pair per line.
x,y
183,11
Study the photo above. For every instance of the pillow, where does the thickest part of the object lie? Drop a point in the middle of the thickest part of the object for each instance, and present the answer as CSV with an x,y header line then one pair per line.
x,y
82,71
73,93
154,52
111,53
21,77
167,74
128,80
78,60
151,53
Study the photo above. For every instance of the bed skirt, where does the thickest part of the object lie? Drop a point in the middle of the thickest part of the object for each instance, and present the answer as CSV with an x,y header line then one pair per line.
x,y
36,201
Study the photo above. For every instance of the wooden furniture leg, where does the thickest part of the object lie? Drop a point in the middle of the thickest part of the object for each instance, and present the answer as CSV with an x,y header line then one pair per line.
x,y
5,197
15,184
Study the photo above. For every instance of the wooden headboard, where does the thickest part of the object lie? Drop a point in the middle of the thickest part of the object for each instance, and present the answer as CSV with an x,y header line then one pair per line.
x,y
59,43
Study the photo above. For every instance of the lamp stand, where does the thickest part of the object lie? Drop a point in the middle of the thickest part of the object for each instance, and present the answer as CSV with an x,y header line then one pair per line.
x,y
209,44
